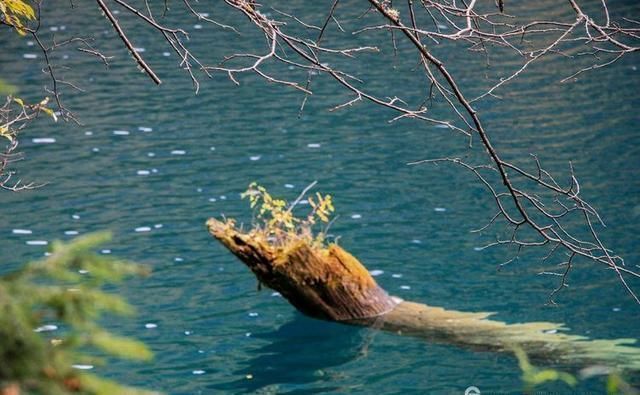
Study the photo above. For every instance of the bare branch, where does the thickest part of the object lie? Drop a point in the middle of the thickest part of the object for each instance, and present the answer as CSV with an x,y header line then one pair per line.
x,y
138,58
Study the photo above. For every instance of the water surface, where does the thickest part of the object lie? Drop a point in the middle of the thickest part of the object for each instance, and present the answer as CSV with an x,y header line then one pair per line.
x,y
153,163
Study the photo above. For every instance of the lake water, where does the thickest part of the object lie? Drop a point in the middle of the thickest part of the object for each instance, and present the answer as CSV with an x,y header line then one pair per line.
x,y
153,163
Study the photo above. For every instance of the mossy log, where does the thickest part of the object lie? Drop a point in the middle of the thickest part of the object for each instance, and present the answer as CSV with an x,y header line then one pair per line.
x,y
331,284
328,284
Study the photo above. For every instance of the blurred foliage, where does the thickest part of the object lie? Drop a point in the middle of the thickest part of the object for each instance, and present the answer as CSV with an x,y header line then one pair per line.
x,y
50,310
7,88
617,385
16,13
533,376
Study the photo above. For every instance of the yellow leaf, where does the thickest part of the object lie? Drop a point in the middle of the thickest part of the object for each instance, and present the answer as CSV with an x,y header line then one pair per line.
x,y
4,132
13,11
50,113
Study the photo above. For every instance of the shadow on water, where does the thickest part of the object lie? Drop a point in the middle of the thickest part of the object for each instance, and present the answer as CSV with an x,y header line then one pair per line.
x,y
290,361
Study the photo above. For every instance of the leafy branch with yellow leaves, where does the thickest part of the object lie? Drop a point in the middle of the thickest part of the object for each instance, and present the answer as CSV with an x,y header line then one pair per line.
x,y
16,13
15,115
276,221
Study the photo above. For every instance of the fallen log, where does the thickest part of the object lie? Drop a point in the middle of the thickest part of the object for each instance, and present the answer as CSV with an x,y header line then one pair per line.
x,y
329,283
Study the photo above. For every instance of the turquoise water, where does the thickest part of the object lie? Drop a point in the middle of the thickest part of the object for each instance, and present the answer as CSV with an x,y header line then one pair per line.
x,y
185,158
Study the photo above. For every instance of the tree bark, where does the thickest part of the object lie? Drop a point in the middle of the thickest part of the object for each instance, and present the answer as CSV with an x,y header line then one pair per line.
x,y
331,284
327,284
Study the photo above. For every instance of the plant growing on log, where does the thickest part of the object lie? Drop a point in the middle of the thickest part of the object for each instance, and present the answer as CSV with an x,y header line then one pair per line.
x,y
279,225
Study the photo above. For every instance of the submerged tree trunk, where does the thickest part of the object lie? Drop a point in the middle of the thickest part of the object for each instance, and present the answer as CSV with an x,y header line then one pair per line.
x,y
328,284
331,284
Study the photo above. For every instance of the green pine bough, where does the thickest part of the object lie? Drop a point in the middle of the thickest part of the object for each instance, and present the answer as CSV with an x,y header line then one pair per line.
x,y
65,288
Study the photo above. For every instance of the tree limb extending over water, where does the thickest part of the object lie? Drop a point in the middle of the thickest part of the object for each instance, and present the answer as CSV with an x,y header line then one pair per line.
x,y
326,282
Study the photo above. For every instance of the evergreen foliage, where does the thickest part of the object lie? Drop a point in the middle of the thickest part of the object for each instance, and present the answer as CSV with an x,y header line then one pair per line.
x,y
66,289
